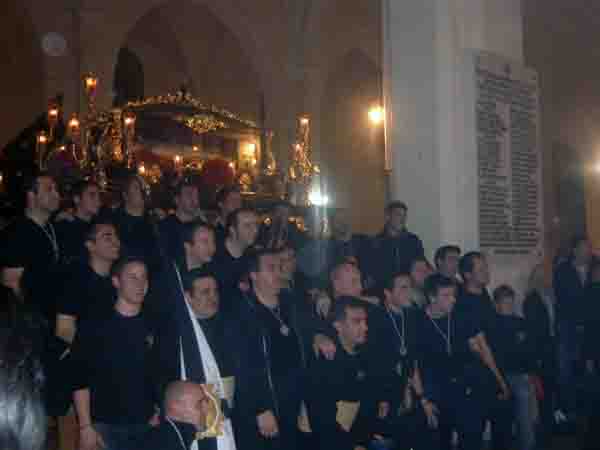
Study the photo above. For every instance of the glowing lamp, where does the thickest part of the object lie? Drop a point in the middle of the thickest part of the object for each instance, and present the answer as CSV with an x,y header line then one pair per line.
x,y
376,115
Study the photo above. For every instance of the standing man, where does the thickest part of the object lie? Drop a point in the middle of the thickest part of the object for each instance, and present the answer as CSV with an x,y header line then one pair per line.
x,y
30,247
228,200
570,278
71,232
395,247
113,393
273,350
170,229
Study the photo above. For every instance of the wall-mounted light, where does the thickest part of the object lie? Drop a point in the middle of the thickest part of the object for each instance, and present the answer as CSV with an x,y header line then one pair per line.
x,y
376,115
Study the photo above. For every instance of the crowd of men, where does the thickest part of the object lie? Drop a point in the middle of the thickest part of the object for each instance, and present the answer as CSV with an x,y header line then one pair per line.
x,y
302,341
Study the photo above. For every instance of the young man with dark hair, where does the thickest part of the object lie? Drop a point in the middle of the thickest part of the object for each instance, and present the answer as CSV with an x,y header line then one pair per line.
x,y
395,247
446,260
345,399
71,231
475,305
170,230
88,293
30,247
228,200
113,393
515,354
456,368
419,270
229,260
137,233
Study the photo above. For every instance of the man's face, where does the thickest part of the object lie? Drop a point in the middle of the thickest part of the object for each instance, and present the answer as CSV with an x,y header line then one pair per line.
x,y
246,230
346,281
420,272
89,202
204,297
196,406
232,202
132,283
268,277
288,263
203,245
449,264
505,306
47,197
188,200
106,245
481,272
134,196
353,329
445,299
399,296
397,219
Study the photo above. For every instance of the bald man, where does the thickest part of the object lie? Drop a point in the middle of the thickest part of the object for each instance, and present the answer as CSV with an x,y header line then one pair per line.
x,y
185,409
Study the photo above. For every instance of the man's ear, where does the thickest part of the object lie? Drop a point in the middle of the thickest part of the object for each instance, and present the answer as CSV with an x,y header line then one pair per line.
x,y
115,281
337,325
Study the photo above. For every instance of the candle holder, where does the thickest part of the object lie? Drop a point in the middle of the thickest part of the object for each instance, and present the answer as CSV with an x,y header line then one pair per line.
x,y
40,149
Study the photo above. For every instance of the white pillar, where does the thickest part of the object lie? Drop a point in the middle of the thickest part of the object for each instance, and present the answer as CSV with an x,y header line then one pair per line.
x,y
425,43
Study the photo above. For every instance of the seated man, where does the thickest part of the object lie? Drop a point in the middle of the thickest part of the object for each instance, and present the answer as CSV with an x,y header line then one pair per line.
x,y
185,410
343,399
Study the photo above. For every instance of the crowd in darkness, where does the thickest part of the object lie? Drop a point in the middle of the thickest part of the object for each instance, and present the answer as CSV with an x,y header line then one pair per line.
x,y
304,340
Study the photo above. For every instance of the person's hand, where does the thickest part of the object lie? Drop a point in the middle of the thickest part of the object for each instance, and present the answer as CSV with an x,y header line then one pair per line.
x,y
372,300
383,410
431,412
590,367
90,439
323,345
323,304
267,424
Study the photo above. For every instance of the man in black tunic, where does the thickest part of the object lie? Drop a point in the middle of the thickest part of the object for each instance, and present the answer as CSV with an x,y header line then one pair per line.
x,y
30,248
273,354
344,397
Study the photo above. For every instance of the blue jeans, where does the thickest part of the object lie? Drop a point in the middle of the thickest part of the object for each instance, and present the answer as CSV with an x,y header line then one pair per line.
x,y
121,437
522,398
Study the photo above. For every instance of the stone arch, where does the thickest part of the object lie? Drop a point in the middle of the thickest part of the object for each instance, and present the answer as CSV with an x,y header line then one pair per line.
x,y
21,78
352,150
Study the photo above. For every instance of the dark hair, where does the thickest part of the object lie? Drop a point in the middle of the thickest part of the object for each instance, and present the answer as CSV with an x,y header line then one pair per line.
x,y
253,260
341,305
196,274
23,419
442,252
467,263
118,267
31,183
435,282
189,230
81,186
92,229
389,283
574,243
502,292
234,216
223,193
397,204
